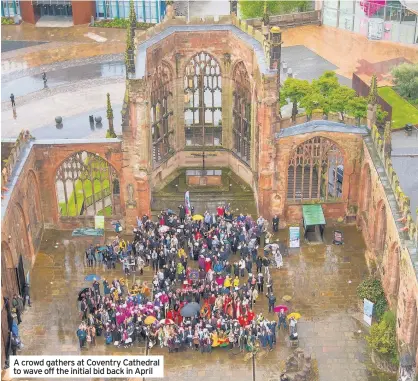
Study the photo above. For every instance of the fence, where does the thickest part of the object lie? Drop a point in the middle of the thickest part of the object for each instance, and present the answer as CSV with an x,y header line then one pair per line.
x,y
363,90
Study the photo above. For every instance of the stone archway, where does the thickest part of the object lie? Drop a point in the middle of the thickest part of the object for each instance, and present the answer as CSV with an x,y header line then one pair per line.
x,y
34,207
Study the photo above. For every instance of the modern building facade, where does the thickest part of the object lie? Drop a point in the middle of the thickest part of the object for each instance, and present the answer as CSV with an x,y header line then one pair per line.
x,y
378,20
151,11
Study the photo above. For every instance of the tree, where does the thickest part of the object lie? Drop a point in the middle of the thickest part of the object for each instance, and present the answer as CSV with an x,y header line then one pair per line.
x,y
109,114
294,89
405,78
357,107
381,116
255,9
326,83
314,100
339,99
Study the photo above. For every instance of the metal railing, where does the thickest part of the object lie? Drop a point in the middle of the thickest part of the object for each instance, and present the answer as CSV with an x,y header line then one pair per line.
x,y
90,200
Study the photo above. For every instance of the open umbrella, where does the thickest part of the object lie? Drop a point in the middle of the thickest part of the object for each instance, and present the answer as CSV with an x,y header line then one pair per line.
x,y
83,292
197,217
163,229
281,307
294,315
92,277
166,321
150,319
190,310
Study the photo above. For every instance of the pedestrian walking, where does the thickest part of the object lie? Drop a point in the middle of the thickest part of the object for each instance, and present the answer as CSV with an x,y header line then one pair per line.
x,y
12,99
17,304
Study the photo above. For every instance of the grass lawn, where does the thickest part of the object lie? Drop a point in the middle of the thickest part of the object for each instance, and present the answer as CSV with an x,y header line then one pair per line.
x,y
107,211
402,111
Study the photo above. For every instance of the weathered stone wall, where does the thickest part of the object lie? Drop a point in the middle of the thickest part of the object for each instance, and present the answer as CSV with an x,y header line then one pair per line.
x,y
391,239
351,145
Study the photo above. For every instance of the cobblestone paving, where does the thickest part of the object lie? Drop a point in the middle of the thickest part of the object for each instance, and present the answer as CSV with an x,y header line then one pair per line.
x,y
322,280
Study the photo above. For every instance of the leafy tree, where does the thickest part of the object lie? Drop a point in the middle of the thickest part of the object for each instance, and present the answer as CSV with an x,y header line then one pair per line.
x,y
294,89
314,100
326,83
255,9
357,107
382,338
339,99
405,78
381,116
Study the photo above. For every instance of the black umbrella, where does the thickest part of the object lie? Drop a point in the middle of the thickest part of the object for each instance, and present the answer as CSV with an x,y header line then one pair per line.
x,y
189,310
83,292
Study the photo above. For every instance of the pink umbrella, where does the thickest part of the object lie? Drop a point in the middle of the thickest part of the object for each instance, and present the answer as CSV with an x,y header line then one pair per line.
x,y
280,308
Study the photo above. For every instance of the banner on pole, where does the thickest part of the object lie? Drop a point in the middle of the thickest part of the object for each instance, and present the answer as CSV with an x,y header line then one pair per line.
x,y
187,202
294,236
368,311
99,222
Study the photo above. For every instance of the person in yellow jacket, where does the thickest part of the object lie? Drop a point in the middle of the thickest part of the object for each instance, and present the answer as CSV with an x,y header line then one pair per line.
x,y
236,282
181,253
227,282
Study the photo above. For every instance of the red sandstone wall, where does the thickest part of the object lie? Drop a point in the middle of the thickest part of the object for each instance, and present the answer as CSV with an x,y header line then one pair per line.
x,y
392,261
82,11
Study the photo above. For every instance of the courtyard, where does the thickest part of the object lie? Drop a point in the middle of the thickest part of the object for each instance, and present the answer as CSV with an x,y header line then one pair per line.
x,y
322,280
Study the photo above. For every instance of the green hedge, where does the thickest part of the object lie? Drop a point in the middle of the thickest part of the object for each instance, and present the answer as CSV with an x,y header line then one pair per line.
x,y
121,23
382,338
7,21
372,290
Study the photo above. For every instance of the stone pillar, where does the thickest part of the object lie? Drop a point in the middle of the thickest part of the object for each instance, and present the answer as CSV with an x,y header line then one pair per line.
x,y
266,118
227,102
371,115
136,149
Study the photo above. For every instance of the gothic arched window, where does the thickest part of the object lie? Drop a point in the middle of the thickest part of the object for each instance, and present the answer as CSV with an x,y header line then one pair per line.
x,y
203,101
161,112
85,186
241,130
316,171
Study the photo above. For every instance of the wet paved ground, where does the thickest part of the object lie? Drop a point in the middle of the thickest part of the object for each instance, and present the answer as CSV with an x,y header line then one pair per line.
x,y
28,84
321,279
7,46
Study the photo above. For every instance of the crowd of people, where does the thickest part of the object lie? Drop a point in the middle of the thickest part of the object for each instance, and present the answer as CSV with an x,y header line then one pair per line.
x,y
209,275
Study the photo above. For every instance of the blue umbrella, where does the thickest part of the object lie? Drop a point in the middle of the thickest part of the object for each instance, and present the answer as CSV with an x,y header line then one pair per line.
x,y
92,277
190,310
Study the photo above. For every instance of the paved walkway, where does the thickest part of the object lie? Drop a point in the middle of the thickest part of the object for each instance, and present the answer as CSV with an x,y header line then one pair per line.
x,y
322,280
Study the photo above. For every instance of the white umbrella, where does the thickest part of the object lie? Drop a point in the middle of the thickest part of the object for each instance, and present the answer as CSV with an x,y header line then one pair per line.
x,y
163,229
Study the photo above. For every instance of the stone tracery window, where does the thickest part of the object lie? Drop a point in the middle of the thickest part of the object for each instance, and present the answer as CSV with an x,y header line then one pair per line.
x,y
315,171
242,113
161,113
203,101
87,185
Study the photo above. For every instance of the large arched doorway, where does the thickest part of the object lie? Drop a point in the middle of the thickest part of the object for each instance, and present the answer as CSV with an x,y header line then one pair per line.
x,y
34,210
315,171
203,101
85,185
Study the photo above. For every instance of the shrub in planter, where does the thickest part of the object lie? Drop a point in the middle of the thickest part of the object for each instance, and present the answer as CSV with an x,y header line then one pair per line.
x,y
120,23
382,338
371,289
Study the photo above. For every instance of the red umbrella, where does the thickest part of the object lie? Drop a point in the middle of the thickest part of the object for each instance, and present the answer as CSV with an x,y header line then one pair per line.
x,y
166,321
281,307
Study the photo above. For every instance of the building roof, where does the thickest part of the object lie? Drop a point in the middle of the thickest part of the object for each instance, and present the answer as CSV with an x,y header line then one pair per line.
x,y
258,48
411,5
321,126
